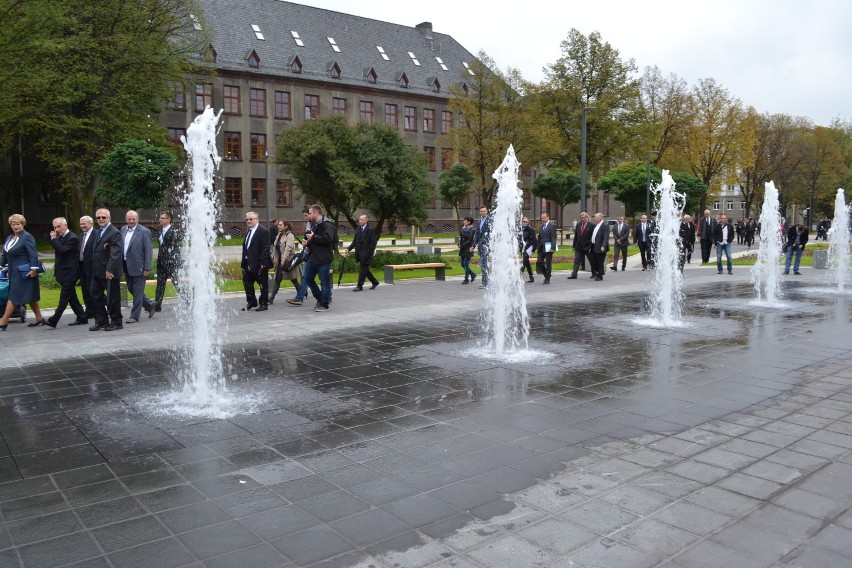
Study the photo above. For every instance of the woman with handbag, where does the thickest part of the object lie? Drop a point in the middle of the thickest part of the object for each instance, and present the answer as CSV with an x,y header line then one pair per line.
x,y
21,257
284,249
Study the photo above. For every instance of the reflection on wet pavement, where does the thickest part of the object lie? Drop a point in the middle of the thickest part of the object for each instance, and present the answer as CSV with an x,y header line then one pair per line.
x,y
384,446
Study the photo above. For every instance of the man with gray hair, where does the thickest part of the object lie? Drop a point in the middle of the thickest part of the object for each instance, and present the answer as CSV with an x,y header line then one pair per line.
x,y
138,251
84,256
66,269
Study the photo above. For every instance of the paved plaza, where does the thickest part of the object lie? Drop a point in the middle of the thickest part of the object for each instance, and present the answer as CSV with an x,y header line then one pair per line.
x,y
374,436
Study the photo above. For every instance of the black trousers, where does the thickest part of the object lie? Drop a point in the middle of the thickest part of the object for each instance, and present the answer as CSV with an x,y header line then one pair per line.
x,y
706,247
616,250
579,261
597,260
543,264
162,277
645,254
262,279
68,296
365,274
106,300
527,266
85,285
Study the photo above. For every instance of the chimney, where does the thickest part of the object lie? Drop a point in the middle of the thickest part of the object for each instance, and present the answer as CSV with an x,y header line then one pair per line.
x,y
425,28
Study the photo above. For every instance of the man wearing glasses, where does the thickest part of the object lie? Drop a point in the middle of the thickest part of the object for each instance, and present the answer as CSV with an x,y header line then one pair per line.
x,y
168,258
66,270
255,264
107,261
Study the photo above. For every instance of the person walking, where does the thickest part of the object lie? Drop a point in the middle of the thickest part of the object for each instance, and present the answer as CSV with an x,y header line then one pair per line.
x,y
20,258
705,234
621,233
87,245
528,243
546,247
723,235
582,243
138,252
168,259
66,270
482,242
283,250
467,234
364,244
642,237
255,264
107,266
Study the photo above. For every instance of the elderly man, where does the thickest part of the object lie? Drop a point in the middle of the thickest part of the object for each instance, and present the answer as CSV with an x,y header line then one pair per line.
x,y
621,233
107,255
642,237
66,270
168,258
686,241
364,244
255,263
706,227
546,247
600,246
582,243
138,250
87,245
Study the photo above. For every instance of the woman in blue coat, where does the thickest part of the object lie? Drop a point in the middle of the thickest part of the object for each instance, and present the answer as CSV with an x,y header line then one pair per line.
x,y
20,250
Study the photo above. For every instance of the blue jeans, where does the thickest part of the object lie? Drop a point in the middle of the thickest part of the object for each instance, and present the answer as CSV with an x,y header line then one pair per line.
x,y
322,292
465,263
727,249
302,292
790,250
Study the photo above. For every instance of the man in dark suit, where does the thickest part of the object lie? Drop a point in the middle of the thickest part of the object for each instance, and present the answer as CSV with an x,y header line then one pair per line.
x,y
705,234
686,241
482,242
723,235
621,232
107,264
168,258
364,244
255,264
582,243
528,243
138,251
546,247
797,238
66,270
642,237
84,255
600,247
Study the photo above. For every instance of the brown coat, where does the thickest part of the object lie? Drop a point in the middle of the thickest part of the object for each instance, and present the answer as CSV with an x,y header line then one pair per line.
x,y
287,243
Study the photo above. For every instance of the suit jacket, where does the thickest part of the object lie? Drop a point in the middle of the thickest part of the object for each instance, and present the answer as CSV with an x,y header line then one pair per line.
x,y
637,233
66,268
256,254
139,251
107,252
483,232
717,232
547,235
687,234
600,244
86,264
703,231
583,242
364,244
791,237
168,257
622,237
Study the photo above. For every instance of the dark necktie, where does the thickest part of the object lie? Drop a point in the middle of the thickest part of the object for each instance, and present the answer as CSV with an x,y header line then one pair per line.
x,y
582,228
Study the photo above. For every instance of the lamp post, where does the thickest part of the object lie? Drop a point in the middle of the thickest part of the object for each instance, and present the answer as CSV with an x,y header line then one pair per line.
x,y
648,183
583,159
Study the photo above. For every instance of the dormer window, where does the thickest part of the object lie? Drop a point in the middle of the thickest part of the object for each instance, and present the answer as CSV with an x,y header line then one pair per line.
x,y
210,54
253,59
296,66
371,76
402,81
434,85
334,70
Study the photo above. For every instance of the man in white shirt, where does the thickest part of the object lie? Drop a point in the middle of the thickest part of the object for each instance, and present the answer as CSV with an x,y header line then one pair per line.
x,y
87,243
723,233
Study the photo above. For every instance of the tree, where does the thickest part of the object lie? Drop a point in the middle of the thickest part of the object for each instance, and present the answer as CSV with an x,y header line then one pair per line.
x,y
821,171
692,187
560,186
628,182
666,116
109,70
454,185
136,174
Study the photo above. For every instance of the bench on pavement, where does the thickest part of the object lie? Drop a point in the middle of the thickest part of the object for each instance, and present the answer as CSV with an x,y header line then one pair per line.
x,y
440,269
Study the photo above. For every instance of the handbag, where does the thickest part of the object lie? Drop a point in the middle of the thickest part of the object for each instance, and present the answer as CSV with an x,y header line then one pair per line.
x,y
24,269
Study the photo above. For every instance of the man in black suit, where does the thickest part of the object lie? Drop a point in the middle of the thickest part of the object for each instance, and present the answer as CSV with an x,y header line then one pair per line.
x,y
621,232
364,244
168,258
546,247
107,260
686,241
582,243
642,237
600,246
482,242
705,233
66,270
87,245
529,244
256,263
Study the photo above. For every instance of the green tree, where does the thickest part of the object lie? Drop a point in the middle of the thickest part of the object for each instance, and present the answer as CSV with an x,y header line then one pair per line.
x,y
560,186
454,185
821,171
666,116
628,182
692,187
136,174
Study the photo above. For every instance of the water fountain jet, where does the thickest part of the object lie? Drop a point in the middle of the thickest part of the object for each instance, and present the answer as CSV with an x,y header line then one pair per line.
x,y
838,247
766,272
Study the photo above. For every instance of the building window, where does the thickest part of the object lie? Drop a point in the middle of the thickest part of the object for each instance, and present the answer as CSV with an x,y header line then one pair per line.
x,y
729,206
233,146
446,158
338,106
366,114
257,102
176,133
742,205
231,95
282,105
258,192
410,119
311,106
334,71
429,120
715,206
526,195
446,121
430,157
178,100
253,60
258,146
233,192
403,81
283,193
203,96
372,77
296,66
391,115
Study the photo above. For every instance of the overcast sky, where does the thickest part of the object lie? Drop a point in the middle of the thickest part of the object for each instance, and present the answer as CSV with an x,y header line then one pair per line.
x,y
779,56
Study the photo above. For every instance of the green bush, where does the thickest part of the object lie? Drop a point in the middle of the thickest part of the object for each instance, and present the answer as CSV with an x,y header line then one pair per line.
x,y
382,258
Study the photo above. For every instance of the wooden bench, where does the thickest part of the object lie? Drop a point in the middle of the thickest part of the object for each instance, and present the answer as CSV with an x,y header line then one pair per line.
x,y
440,269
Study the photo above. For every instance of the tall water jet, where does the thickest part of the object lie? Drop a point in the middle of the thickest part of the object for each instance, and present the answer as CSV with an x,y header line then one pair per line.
x,y
505,313
665,304
201,374
766,272
838,244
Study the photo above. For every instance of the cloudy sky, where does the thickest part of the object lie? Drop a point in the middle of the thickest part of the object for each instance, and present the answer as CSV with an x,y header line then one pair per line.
x,y
779,56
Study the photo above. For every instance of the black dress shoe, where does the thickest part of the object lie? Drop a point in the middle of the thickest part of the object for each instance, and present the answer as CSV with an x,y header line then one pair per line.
x,y
262,308
151,311
113,327
249,307
614,268
598,278
79,322
98,326
374,286
50,323
37,323
357,289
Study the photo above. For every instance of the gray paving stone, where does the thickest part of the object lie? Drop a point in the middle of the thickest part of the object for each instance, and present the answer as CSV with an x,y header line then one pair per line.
x,y
636,500
773,472
691,518
511,552
749,485
598,516
557,535
723,501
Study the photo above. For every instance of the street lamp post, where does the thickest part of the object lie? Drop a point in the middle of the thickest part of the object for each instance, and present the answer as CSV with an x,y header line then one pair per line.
x,y
648,183
583,159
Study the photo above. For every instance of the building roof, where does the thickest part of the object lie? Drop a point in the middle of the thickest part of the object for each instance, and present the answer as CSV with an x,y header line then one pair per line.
x,y
236,27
